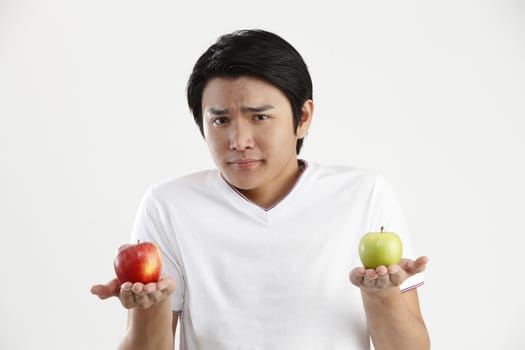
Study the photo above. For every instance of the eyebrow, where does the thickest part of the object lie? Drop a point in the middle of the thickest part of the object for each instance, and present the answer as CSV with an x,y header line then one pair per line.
x,y
244,109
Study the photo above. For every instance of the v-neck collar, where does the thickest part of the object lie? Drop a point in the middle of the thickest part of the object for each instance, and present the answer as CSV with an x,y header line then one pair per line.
x,y
241,201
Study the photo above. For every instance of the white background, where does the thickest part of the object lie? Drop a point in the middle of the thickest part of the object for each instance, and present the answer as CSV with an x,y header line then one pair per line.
x,y
92,111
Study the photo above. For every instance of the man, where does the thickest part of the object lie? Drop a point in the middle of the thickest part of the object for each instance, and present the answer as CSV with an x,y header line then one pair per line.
x,y
259,252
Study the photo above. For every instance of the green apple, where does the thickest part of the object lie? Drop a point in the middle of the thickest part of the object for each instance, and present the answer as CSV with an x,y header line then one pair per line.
x,y
380,248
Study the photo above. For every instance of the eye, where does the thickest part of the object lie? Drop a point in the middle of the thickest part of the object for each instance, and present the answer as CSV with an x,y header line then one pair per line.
x,y
259,117
220,121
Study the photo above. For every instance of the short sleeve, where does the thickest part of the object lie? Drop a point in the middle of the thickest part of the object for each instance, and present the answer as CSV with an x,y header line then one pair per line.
x,y
387,212
152,224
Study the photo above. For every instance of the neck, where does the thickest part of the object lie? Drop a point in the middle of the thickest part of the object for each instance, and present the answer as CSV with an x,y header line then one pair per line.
x,y
267,199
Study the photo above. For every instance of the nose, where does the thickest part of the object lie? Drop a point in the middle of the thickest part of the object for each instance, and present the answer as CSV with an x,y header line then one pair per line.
x,y
241,136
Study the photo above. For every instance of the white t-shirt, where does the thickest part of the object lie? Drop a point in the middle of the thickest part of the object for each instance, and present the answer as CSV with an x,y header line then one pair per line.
x,y
249,278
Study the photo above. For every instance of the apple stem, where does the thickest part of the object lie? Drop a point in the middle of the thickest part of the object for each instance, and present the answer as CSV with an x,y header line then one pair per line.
x,y
381,229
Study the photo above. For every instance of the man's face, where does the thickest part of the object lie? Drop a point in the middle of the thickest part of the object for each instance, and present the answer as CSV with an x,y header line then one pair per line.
x,y
248,125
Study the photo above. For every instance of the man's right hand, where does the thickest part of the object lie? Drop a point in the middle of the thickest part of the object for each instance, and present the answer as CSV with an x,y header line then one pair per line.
x,y
136,295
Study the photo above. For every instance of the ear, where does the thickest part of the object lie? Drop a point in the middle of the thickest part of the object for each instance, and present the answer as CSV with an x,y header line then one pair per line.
x,y
306,119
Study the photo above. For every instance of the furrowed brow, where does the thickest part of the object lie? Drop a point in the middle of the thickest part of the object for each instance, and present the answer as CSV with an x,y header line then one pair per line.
x,y
216,111
256,109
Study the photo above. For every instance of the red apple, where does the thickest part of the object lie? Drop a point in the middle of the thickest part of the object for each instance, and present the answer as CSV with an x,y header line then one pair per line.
x,y
139,262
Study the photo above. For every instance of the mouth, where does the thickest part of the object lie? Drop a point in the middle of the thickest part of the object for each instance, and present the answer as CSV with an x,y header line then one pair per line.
x,y
244,163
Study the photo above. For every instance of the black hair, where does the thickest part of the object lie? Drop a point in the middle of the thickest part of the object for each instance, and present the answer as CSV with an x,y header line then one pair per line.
x,y
255,53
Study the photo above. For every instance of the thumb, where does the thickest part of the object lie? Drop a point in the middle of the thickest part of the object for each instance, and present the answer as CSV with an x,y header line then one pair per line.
x,y
104,291
415,266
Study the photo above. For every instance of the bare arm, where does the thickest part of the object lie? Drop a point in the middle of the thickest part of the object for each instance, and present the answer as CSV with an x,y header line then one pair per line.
x,y
151,323
394,318
150,328
164,341
395,321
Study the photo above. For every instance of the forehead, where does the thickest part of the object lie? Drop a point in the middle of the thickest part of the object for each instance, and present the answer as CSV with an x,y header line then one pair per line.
x,y
240,90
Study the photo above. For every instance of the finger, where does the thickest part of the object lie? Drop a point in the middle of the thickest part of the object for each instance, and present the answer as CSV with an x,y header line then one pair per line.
x,y
167,284
369,279
137,287
157,297
141,297
412,267
100,290
356,276
127,297
420,264
104,291
383,278
150,288
397,275
142,300
154,294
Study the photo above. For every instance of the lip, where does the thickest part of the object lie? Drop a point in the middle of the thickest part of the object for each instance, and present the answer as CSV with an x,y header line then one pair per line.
x,y
244,163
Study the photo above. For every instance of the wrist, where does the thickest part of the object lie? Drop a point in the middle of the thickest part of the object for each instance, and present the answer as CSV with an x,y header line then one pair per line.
x,y
382,295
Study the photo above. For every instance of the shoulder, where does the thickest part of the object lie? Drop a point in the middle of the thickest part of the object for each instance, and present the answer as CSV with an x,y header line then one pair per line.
x,y
348,180
345,175
185,187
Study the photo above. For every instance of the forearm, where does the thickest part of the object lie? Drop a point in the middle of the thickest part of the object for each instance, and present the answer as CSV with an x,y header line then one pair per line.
x,y
393,325
150,328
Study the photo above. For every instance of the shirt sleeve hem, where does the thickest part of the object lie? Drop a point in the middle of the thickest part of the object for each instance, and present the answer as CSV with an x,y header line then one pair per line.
x,y
406,289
